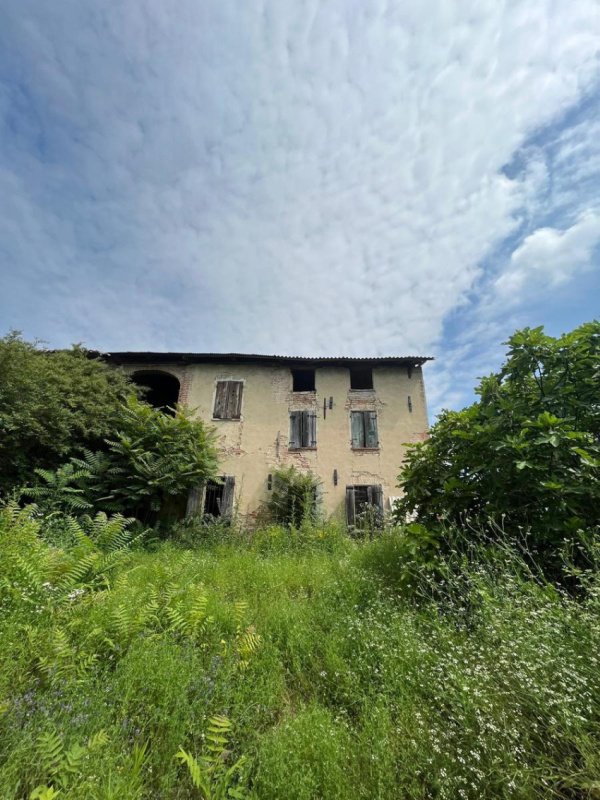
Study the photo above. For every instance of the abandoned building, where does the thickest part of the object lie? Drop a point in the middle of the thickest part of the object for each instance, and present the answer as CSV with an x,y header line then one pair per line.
x,y
346,420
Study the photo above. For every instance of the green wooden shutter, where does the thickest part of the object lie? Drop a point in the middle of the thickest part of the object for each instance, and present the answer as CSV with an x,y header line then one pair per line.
x,y
358,429
371,438
311,429
295,429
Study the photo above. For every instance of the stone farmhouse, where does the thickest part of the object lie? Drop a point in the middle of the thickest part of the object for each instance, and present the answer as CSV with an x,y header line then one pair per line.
x,y
347,420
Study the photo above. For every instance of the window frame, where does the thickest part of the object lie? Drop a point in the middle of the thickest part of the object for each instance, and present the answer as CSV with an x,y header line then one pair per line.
x,y
296,370
229,382
364,432
360,369
307,430
374,492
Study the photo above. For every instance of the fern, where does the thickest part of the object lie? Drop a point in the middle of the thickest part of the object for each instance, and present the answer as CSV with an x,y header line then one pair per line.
x,y
60,765
209,773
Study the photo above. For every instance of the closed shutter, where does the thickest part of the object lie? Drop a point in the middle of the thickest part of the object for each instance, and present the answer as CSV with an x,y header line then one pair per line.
x,y
228,496
371,438
195,501
295,429
350,505
358,429
311,429
220,411
234,399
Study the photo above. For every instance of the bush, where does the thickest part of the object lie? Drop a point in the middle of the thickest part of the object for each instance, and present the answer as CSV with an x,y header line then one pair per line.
x,y
52,405
526,456
294,497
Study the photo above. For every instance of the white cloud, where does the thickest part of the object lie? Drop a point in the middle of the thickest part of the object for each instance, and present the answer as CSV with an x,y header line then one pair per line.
x,y
549,257
283,176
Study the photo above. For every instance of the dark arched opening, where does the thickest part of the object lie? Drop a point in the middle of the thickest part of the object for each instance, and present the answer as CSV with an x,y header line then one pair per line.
x,y
162,389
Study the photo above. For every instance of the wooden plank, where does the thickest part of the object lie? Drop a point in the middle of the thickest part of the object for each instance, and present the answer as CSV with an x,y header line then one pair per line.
x,y
221,400
195,501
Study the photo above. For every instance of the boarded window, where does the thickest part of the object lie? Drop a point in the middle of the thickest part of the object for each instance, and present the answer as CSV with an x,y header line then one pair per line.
x,y
303,429
303,380
218,498
364,429
361,377
364,505
228,400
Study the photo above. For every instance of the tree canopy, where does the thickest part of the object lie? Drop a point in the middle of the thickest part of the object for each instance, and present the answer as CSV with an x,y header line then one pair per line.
x,y
527,453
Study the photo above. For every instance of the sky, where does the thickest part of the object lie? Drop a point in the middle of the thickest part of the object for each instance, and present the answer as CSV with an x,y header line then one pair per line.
x,y
301,177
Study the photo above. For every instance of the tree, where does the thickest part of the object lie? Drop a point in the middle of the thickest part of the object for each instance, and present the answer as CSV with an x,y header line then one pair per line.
x,y
527,453
52,405
151,459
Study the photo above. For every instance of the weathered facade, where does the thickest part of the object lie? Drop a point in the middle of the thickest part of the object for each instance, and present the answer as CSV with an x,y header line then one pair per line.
x,y
345,420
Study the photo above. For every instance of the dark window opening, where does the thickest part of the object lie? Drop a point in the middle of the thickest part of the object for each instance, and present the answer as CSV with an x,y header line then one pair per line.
x,y
228,400
364,430
303,429
364,505
162,389
303,380
361,377
218,497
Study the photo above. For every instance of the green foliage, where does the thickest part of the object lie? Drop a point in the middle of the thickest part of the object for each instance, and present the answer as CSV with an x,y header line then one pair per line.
x,y
527,454
287,667
211,773
294,497
151,459
52,404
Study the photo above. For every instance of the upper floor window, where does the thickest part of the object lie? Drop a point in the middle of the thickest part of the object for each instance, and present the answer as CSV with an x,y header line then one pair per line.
x,y
228,400
303,380
361,377
364,429
303,429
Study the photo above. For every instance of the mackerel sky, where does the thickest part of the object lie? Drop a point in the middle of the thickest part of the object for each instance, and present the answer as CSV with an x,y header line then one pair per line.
x,y
317,177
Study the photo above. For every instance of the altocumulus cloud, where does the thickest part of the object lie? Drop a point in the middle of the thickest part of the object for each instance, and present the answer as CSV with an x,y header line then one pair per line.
x,y
293,177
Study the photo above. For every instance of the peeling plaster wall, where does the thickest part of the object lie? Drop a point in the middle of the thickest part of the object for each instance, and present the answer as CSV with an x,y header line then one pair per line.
x,y
257,444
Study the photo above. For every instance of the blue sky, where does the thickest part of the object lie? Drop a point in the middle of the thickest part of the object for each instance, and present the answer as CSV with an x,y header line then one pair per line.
x,y
351,177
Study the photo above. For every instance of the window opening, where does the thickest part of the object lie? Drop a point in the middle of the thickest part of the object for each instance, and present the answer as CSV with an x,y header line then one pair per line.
x,y
361,377
364,505
303,380
162,389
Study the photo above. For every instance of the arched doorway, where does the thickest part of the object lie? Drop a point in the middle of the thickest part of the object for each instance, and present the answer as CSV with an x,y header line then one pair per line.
x,y
162,388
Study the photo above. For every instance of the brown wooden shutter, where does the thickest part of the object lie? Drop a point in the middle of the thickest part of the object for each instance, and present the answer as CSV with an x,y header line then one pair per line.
x,y
220,411
371,438
195,501
228,496
350,505
234,399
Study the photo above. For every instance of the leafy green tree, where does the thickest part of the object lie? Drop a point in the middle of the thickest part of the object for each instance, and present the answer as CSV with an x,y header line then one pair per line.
x,y
527,453
52,405
151,459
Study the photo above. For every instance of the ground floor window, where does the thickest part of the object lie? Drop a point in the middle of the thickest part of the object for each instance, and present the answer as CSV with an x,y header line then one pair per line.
x,y
218,497
364,505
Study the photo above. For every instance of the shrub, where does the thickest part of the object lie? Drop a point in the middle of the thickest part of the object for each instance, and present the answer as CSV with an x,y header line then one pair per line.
x,y
294,497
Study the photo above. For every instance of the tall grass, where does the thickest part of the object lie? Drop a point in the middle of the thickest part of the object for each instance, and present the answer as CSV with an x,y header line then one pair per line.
x,y
338,680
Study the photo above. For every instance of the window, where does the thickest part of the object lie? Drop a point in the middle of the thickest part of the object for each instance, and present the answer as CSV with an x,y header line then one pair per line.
x,y
361,377
218,497
228,400
364,429
303,429
303,380
364,505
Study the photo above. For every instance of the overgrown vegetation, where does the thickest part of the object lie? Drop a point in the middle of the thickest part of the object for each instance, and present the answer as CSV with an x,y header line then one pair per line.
x,y
294,498
264,667
526,455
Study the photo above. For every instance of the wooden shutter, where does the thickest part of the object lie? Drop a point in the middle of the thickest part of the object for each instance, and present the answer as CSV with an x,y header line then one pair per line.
x,y
195,501
358,429
311,429
234,399
350,505
220,411
371,438
295,429
375,496
228,496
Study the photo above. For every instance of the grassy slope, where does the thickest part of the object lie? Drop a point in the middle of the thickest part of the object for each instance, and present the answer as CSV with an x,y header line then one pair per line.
x,y
352,691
